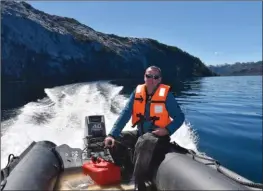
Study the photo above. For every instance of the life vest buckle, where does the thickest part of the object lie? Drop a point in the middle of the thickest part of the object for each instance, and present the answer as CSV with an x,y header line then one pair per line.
x,y
140,115
141,119
154,118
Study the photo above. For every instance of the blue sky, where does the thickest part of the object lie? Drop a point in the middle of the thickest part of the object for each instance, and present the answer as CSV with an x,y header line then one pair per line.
x,y
217,32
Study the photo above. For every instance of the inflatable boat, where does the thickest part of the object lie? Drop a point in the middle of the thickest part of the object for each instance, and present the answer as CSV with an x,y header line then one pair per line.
x,y
46,166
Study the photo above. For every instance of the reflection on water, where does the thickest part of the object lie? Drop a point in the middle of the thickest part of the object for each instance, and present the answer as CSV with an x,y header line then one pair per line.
x,y
14,95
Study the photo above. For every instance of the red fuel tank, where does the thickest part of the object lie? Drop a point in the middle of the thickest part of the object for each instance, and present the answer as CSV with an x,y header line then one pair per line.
x,y
102,172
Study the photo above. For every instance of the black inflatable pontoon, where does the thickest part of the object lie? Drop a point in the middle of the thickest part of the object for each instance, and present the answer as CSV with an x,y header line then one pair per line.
x,y
184,170
45,166
36,169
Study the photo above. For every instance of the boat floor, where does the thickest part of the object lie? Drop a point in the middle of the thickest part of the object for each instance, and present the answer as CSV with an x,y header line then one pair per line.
x,y
79,181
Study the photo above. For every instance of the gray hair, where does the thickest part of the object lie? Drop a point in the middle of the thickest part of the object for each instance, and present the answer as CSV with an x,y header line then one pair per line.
x,y
155,68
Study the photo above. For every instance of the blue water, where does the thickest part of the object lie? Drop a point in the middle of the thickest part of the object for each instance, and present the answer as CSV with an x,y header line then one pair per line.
x,y
226,112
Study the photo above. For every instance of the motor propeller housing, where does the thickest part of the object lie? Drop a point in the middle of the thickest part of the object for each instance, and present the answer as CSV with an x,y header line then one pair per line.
x,y
95,126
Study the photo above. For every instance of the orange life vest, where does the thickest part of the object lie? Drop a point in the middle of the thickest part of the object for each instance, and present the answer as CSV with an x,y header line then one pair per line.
x,y
158,113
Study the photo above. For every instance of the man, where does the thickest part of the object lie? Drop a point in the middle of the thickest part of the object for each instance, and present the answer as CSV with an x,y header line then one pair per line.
x,y
153,108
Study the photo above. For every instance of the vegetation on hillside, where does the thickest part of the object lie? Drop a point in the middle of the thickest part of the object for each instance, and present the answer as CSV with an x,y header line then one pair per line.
x,y
238,69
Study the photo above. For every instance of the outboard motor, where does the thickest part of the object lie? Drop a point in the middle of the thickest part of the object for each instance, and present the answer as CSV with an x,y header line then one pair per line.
x,y
94,135
100,165
95,129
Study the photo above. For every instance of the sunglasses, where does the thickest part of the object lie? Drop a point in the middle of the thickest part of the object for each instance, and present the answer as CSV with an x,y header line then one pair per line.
x,y
152,76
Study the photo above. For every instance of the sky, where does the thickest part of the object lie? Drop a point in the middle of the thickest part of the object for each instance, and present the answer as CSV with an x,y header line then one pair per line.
x,y
217,32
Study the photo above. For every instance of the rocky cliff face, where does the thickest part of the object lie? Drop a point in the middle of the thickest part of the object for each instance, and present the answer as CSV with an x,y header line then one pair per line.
x,y
42,48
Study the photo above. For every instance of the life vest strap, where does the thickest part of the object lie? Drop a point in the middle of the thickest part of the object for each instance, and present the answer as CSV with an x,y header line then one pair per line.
x,y
140,99
154,118
143,119
156,101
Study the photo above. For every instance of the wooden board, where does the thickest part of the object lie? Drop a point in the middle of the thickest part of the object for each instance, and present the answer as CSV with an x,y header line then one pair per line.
x,y
79,181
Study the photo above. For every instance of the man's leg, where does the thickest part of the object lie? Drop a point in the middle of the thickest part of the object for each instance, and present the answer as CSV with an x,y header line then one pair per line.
x,y
161,149
122,152
149,152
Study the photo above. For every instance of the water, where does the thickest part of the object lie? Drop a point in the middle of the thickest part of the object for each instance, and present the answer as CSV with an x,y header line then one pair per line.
x,y
223,118
227,115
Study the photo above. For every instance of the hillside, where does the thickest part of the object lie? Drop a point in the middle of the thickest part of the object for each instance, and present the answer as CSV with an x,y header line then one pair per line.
x,y
48,49
238,69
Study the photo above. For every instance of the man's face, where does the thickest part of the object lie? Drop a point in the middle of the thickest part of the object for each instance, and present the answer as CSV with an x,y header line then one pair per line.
x,y
152,78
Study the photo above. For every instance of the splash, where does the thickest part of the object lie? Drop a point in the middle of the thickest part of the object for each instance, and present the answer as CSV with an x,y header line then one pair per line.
x,y
59,118
186,137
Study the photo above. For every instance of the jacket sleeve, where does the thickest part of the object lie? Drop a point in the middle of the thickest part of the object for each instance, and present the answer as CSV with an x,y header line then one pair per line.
x,y
175,112
123,118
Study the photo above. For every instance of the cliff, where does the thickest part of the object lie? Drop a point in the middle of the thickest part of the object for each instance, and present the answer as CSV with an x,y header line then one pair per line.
x,y
48,49
238,69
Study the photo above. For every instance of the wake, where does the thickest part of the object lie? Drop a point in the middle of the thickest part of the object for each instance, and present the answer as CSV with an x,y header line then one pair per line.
x,y
59,118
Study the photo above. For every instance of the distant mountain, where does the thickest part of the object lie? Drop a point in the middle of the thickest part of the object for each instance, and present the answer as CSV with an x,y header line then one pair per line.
x,y
42,48
238,69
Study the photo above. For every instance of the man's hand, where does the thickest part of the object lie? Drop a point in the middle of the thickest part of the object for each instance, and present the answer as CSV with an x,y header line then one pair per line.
x,y
160,132
109,141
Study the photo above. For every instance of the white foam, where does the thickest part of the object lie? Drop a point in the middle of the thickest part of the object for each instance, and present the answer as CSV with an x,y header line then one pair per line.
x,y
186,137
64,117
